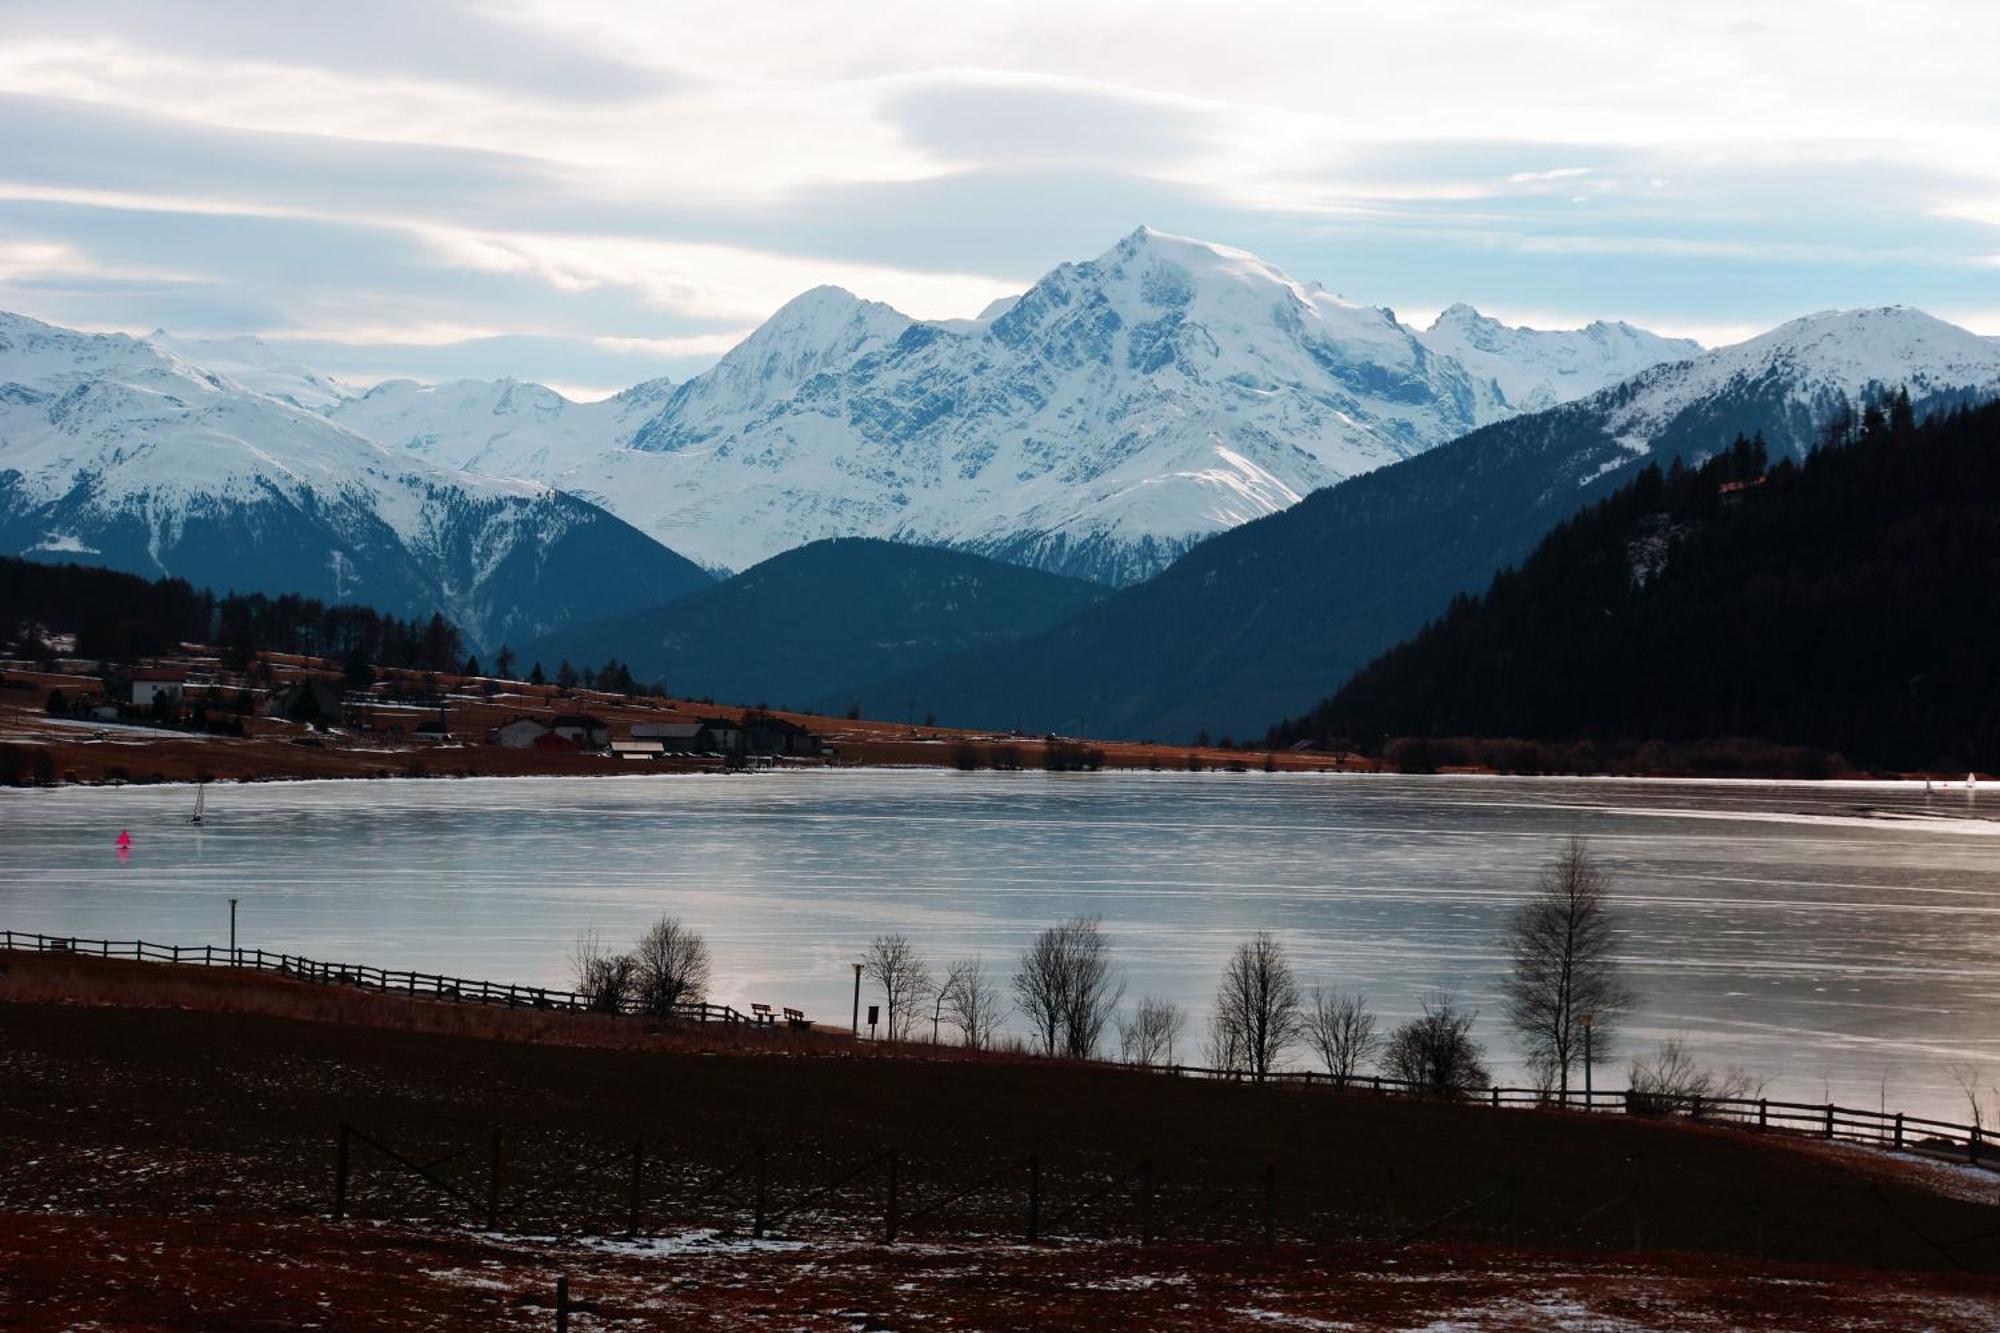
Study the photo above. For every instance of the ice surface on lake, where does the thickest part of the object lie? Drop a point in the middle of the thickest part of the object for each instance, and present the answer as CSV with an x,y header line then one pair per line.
x,y
1829,936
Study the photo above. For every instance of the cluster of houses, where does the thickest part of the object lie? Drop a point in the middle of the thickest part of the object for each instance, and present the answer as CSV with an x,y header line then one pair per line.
x,y
758,734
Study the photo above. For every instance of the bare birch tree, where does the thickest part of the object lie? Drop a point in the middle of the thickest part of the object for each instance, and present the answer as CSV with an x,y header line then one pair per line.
x,y
904,978
1564,973
603,977
970,1001
1147,1038
1341,1028
1065,988
672,966
1256,1006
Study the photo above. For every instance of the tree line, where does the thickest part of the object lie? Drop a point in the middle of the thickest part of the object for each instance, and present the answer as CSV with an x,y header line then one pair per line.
x,y
1565,996
1843,606
118,617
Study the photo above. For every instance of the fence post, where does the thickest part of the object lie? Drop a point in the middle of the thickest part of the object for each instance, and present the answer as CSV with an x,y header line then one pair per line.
x,y
1034,1198
562,1305
1972,1146
1763,1115
1638,1201
763,1182
340,1174
638,1166
1146,1202
1899,1131
1270,1203
1829,1120
1694,1108
889,1229
493,1183
1496,1097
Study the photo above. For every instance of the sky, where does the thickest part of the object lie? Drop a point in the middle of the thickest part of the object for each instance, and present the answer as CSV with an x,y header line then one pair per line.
x,y
594,192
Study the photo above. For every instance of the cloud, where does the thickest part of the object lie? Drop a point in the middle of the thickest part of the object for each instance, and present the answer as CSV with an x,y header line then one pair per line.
x,y
690,345
437,41
610,184
705,280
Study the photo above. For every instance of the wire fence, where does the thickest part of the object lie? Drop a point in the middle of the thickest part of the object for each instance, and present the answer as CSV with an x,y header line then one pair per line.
x,y
1893,1130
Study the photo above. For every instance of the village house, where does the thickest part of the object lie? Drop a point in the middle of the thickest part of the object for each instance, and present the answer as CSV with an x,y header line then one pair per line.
x,y
151,683
706,735
766,734
519,734
306,699
582,730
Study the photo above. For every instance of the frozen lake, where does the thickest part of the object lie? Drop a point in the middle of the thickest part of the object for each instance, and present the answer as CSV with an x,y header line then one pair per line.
x,y
1833,938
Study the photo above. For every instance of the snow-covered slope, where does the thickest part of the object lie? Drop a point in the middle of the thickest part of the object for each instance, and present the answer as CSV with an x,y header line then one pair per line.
x,y
1098,424
1534,369
251,363
507,428
121,452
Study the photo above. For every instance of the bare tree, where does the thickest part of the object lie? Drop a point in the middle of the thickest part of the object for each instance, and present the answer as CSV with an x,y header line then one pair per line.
x,y
1147,1040
1256,1006
895,966
1065,987
1341,1028
1671,1081
673,966
603,978
1967,1076
970,1001
1435,1053
1564,974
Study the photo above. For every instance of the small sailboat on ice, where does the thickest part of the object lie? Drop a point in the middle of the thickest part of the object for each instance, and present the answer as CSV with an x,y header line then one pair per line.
x,y
200,815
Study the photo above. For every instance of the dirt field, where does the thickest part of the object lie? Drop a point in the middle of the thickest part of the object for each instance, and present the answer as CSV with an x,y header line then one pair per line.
x,y
171,1166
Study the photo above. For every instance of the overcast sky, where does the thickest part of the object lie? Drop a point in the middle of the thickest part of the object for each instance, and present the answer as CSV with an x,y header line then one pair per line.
x,y
592,192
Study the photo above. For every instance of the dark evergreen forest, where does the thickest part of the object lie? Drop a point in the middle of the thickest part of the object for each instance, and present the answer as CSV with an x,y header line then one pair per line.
x,y
118,617
1848,604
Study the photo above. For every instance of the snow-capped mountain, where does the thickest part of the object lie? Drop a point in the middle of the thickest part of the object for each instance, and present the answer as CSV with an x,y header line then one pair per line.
x,y
1788,382
1533,369
1307,597
119,451
1099,424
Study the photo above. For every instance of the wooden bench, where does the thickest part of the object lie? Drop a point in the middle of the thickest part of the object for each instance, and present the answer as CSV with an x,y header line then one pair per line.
x,y
797,1018
761,1014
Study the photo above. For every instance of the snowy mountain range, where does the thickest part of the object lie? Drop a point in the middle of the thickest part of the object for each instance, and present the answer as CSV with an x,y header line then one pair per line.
x,y
118,451
1259,623
1100,424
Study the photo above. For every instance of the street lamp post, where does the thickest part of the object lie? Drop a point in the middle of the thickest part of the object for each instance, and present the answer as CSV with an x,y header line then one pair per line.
x,y
856,1029
1589,1022
232,930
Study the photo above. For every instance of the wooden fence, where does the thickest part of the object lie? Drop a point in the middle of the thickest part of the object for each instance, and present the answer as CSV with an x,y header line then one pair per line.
x,y
1894,1130
425,985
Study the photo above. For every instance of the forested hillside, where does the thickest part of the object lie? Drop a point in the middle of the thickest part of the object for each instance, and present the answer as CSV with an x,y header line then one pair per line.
x,y
117,617
809,627
1847,602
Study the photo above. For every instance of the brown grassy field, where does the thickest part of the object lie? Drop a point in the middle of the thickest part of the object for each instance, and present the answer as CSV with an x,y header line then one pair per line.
x,y
171,1138
276,749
